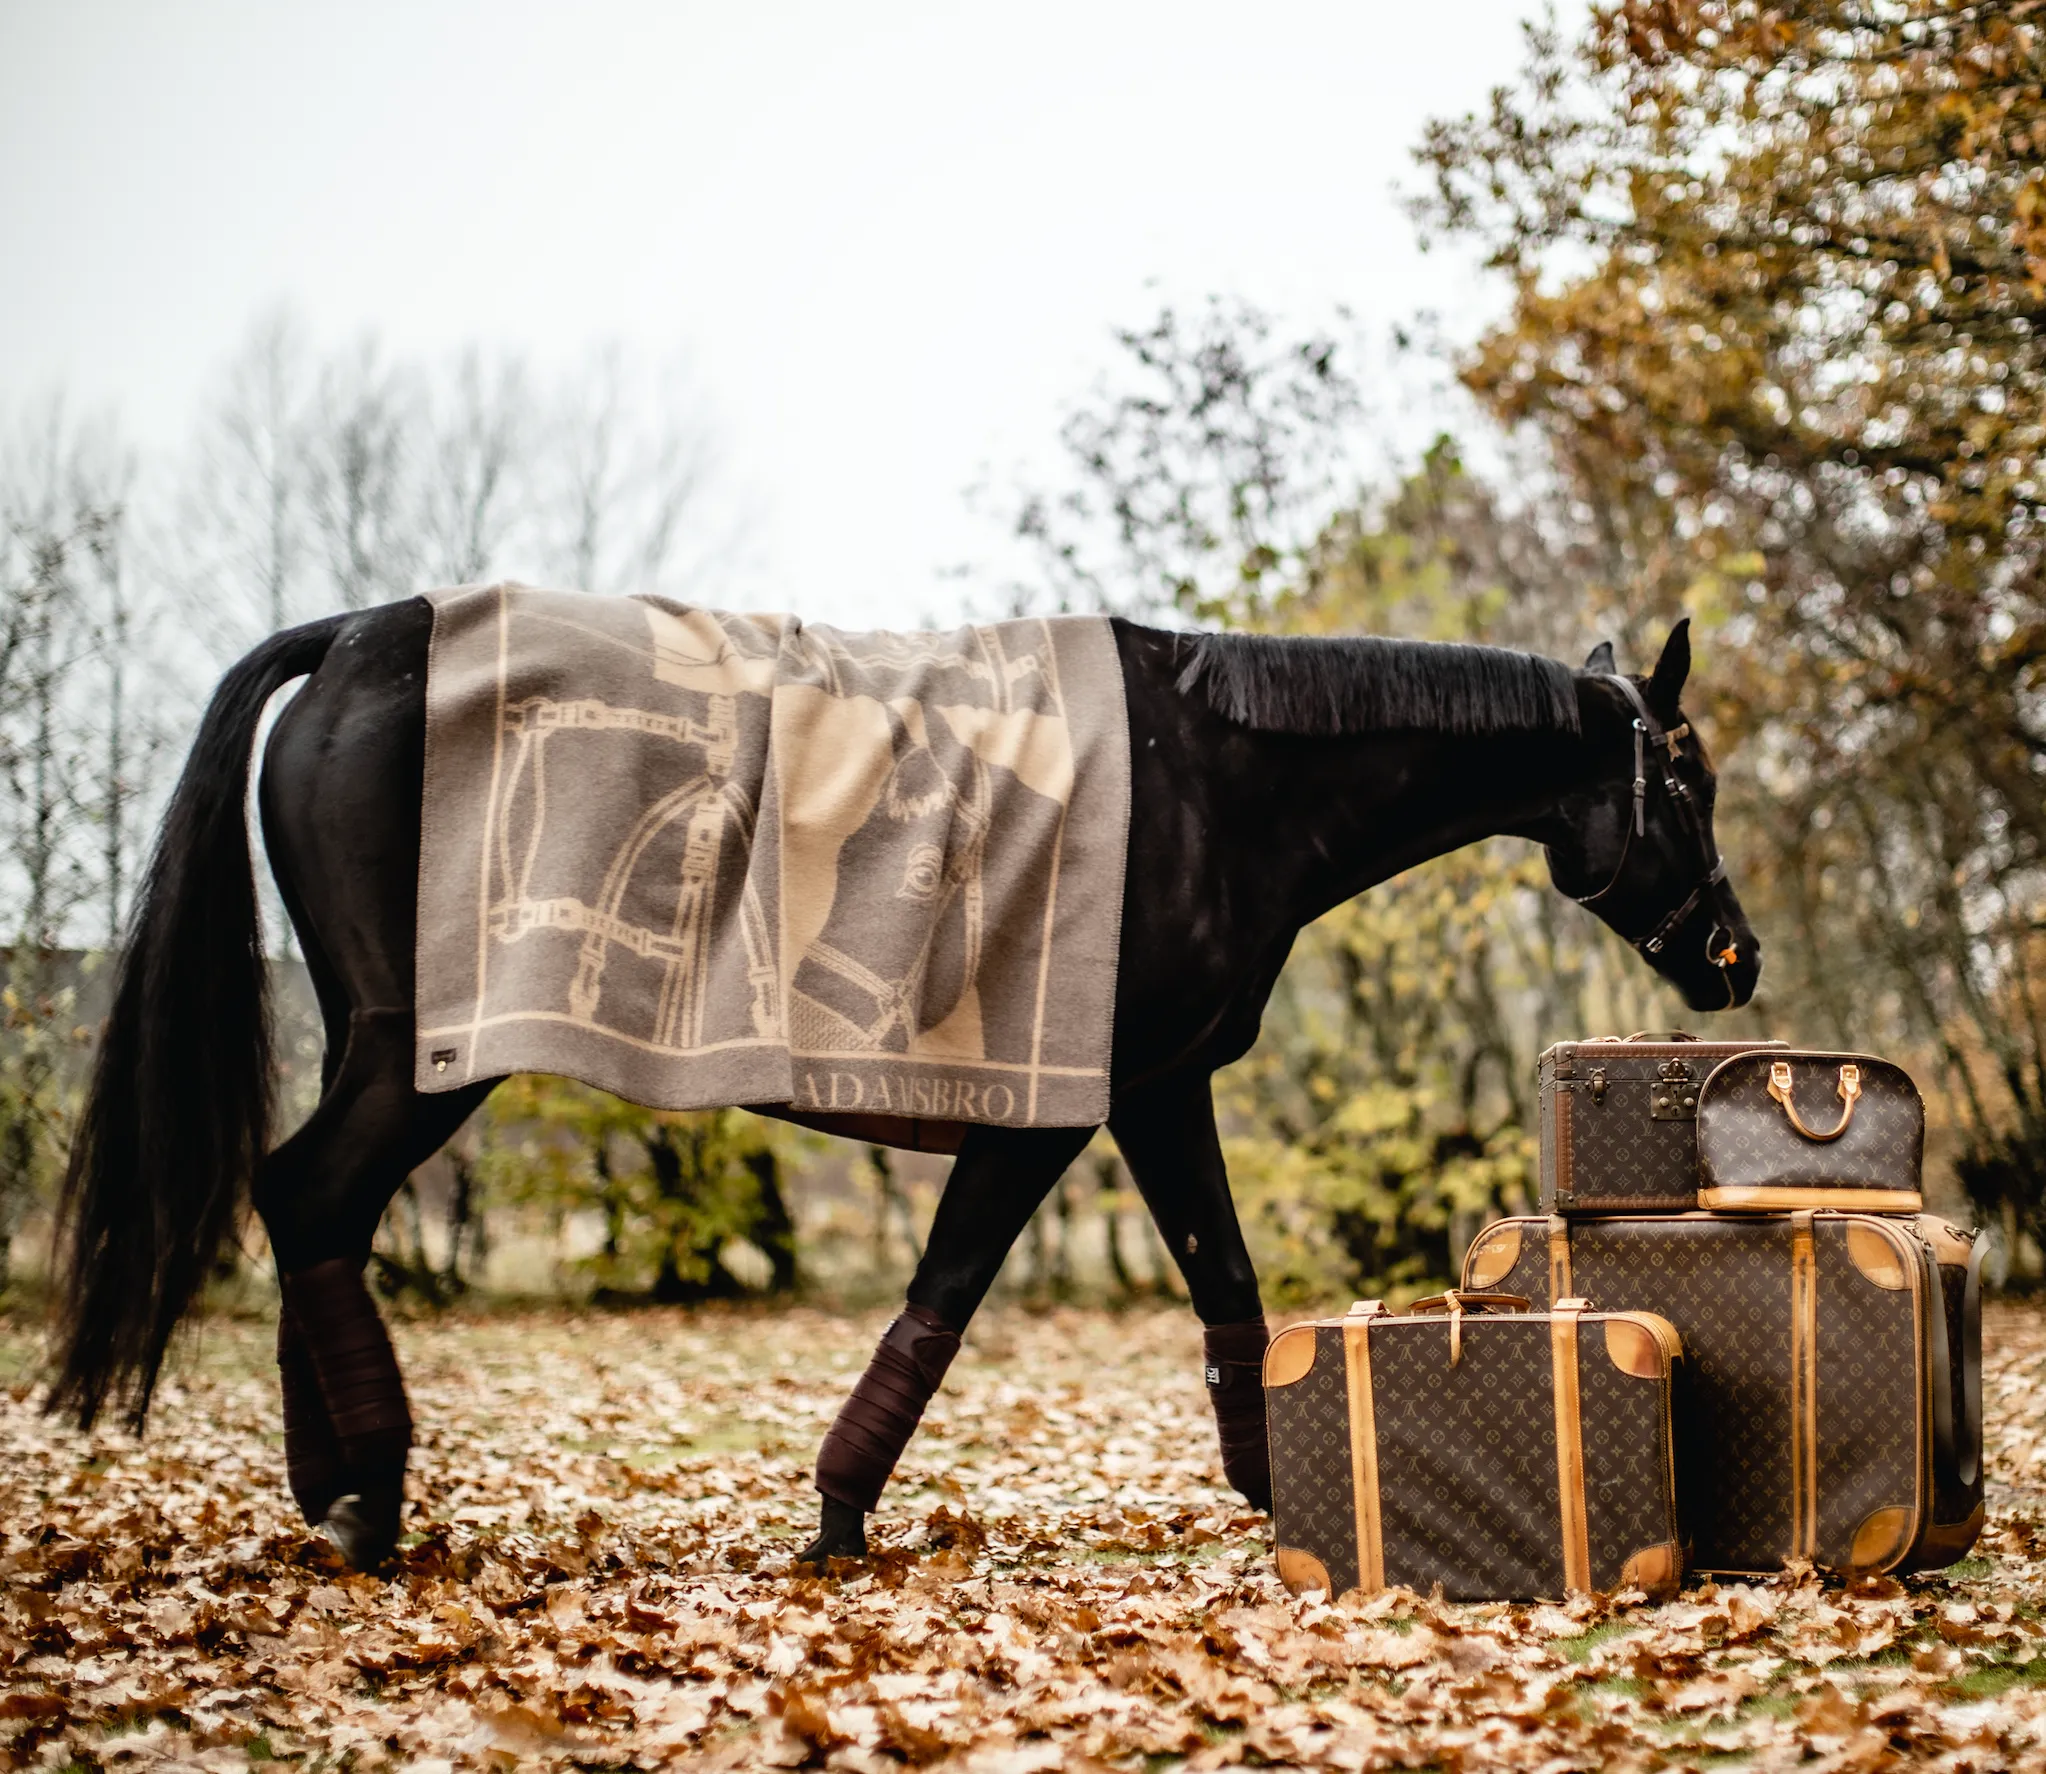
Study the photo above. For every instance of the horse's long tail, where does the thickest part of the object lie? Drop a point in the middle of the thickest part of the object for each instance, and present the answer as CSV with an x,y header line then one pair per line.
x,y
178,1112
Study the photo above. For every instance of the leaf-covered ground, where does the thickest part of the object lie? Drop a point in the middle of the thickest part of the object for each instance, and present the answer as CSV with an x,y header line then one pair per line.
x,y
605,1508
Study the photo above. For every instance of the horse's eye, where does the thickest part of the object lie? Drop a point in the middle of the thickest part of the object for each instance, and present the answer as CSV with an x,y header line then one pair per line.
x,y
922,873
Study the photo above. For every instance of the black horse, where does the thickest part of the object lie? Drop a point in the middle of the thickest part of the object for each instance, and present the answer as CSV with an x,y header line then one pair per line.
x,y
1272,780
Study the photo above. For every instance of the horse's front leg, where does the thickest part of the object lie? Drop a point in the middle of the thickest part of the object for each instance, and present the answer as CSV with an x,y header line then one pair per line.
x,y
997,1182
1166,1130
347,1425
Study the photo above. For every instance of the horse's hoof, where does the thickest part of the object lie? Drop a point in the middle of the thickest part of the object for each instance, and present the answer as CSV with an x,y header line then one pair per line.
x,y
842,1533
364,1525
1258,1494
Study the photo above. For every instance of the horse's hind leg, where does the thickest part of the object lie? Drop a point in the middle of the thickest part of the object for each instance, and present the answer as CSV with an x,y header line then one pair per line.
x,y
997,1182
347,1426
1166,1131
342,780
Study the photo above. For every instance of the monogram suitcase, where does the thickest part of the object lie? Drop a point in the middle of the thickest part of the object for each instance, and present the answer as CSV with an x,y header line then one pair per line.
x,y
1834,1366
1790,1130
1500,1455
1619,1121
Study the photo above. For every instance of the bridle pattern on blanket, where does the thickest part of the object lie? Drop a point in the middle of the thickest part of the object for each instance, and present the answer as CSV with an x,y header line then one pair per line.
x,y
697,858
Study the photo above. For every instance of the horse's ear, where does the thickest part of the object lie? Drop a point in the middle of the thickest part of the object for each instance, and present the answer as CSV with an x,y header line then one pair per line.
x,y
1666,682
1601,659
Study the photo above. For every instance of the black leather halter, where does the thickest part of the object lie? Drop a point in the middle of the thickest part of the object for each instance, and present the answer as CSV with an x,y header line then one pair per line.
x,y
1648,731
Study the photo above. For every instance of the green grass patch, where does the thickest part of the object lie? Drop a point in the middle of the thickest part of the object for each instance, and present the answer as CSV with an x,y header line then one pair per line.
x,y
728,1437
1890,1657
1970,1567
1580,1648
1987,1680
1619,1687
1755,1706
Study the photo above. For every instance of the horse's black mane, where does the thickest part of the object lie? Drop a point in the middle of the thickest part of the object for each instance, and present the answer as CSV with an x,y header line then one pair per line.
x,y
1366,683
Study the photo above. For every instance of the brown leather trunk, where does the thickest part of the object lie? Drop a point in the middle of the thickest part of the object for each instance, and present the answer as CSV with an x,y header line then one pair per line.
x,y
1500,1456
1832,1363
1619,1122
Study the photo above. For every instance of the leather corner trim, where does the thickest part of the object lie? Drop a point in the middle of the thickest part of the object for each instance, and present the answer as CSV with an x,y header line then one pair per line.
x,y
1635,1349
1883,1537
1492,1256
1301,1571
1873,1250
1943,1543
1655,1570
1290,1356
1773,1198
1949,1248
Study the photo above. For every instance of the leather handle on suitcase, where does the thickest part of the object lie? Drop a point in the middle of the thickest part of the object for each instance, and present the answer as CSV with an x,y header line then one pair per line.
x,y
1456,1300
1850,1093
1664,1035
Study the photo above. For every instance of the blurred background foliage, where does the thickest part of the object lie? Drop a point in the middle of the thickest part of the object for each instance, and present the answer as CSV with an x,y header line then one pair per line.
x,y
1772,358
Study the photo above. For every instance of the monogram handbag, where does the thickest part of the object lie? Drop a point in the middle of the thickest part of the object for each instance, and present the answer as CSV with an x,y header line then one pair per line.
x,y
1779,1131
1498,1452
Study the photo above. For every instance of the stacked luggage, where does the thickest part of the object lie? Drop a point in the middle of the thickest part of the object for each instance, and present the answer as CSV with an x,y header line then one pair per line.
x,y
1813,1390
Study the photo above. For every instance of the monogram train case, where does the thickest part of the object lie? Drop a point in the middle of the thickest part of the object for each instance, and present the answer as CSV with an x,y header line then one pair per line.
x,y
1834,1372
1500,1454
1619,1121
1789,1130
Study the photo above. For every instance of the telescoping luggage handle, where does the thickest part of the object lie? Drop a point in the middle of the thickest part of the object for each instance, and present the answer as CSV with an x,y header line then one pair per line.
x,y
1850,1094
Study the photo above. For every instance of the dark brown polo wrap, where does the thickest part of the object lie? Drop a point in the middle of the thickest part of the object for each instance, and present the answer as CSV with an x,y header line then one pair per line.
x,y
1234,1357
312,1457
346,1422
874,1425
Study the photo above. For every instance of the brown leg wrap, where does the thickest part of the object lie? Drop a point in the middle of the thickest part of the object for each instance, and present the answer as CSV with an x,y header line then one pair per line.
x,y
312,1456
1235,1355
342,1385
874,1425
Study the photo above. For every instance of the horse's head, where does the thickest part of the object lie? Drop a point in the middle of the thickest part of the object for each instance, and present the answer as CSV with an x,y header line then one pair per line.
x,y
1636,843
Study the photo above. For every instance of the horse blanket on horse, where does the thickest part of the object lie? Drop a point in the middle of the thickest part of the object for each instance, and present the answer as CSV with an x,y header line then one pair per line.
x,y
699,859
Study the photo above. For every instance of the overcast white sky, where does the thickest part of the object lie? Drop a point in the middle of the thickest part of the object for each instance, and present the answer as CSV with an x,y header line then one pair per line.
x,y
891,238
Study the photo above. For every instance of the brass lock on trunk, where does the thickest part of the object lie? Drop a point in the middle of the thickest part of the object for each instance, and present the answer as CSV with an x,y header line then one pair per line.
x,y
1675,1097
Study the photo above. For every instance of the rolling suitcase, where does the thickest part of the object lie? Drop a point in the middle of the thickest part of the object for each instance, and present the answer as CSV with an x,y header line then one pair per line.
x,y
1500,1454
1835,1372
1619,1121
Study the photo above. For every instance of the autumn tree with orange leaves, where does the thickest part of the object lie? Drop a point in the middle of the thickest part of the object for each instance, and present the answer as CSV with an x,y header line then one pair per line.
x,y
1779,318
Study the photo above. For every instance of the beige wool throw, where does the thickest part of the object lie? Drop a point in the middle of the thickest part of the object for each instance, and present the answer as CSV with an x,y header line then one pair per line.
x,y
700,859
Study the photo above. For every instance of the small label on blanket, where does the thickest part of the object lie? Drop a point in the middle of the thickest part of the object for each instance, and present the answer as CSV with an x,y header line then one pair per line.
x,y
699,859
